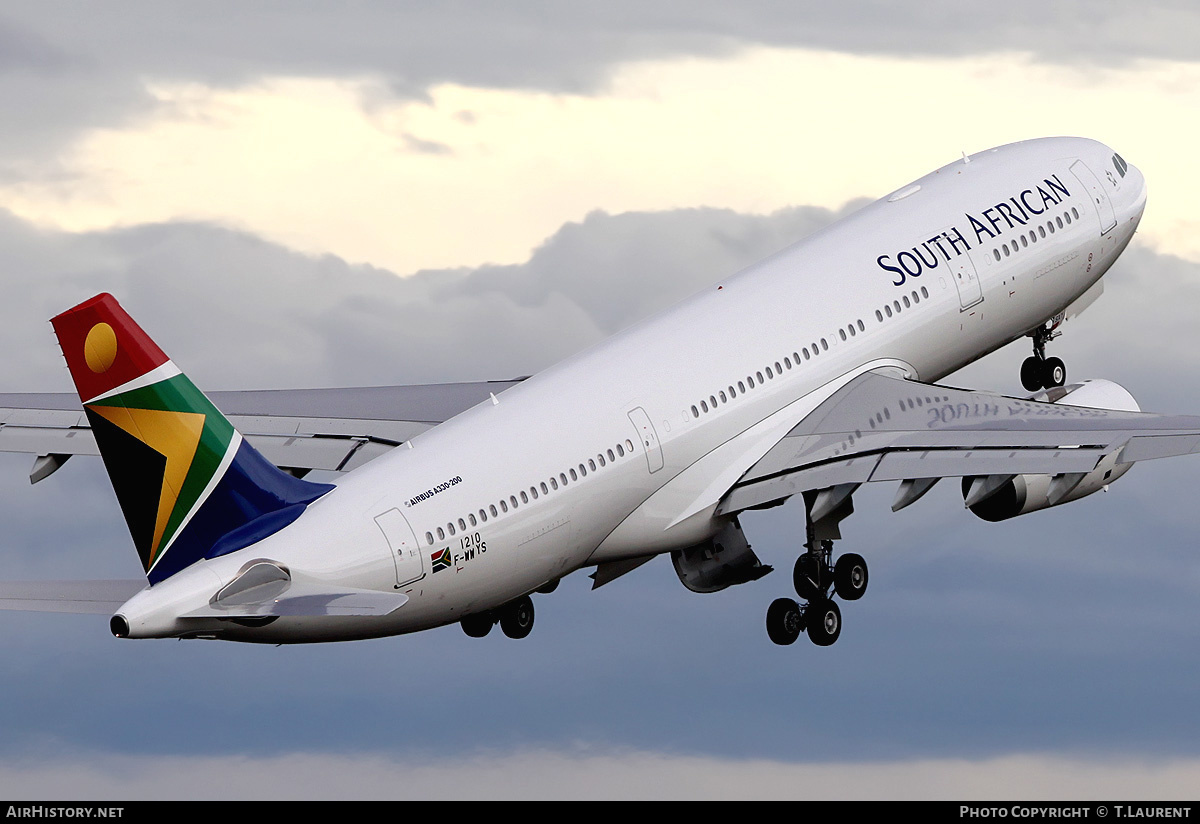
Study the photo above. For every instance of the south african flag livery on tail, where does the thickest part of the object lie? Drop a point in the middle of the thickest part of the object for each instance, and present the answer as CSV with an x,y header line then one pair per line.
x,y
189,486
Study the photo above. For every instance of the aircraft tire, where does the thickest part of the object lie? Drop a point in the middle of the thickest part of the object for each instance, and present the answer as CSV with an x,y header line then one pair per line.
x,y
850,577
516,617
1032,374
785,621
1055,372
478,625
808,577
823,620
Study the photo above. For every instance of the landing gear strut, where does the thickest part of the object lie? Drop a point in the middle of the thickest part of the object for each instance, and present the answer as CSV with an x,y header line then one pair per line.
x,y
1038,371
816,580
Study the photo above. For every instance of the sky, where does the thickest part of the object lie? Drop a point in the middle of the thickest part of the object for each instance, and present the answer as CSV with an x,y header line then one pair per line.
x,y
298,194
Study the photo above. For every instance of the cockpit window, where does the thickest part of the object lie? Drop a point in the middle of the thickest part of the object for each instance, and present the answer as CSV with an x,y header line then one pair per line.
x,y
1120,164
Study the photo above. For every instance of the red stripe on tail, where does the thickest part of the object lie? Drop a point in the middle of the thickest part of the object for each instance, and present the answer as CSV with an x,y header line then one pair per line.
x,y
103,346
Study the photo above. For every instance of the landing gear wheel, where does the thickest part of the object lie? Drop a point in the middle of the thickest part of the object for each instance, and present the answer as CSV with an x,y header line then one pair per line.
x,y
785,622
479,625
1054,372
810,576
823,620
1031,374
850,577
516,617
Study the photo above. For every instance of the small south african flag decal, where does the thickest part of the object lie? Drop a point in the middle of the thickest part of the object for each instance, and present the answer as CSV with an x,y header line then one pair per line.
x,y
441,559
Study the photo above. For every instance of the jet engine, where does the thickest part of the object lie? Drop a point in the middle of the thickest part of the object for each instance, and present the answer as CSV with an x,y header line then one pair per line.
x,y
1008,496
721,561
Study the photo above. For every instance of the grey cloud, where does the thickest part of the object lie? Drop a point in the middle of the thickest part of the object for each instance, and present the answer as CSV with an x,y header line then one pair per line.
x,y
102,56
587,774
1066,631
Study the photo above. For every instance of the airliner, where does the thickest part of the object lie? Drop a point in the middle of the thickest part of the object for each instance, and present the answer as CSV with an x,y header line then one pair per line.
x,y
805,375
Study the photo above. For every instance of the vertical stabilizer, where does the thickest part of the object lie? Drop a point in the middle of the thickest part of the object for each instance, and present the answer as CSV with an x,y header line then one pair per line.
x,y
189,486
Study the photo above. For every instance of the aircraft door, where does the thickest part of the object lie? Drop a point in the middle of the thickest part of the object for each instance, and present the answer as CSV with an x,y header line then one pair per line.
x,y
966,280
406,552
649,438
1108,218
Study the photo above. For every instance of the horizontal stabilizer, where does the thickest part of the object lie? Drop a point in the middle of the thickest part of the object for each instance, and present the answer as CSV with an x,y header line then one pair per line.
x,y
84,597
311,600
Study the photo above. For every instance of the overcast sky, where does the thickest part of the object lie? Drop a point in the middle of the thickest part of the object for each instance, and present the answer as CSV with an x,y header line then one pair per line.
x,y
293,194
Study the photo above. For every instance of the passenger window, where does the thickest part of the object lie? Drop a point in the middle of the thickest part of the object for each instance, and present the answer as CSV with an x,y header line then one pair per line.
x,y
429,538
524,497
451,528
907,305
471,519
861,328
879,316
610,455
441,534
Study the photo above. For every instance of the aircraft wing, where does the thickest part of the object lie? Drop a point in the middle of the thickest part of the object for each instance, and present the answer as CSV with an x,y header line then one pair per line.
x,y
86,597
883,428
297,429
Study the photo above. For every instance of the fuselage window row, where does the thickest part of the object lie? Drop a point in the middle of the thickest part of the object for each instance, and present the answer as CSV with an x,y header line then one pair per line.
x,y
621,450
1059,221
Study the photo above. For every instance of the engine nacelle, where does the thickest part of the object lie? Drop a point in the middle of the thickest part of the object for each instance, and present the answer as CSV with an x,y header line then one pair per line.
x,y
1029,493
721,561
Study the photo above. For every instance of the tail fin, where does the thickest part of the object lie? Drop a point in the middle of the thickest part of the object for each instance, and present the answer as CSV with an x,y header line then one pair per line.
x,y
189,486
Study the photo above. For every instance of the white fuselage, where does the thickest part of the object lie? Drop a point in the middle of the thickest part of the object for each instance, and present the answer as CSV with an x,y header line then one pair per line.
x,y
512,494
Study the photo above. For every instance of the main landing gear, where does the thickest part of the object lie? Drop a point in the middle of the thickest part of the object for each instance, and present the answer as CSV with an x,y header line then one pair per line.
x,y
1038,371
515,619
814,577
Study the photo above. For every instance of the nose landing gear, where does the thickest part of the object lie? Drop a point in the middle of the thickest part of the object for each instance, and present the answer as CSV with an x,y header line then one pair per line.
x,y
1038,371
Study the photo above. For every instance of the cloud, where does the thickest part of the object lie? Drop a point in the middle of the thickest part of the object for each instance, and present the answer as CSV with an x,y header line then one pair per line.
x,y
584,773
1066,631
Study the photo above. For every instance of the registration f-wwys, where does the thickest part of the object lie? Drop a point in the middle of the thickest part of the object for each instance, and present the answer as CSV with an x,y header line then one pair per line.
x,y
806,376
